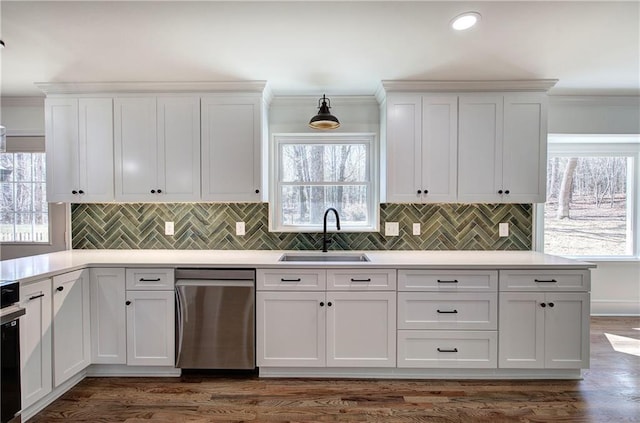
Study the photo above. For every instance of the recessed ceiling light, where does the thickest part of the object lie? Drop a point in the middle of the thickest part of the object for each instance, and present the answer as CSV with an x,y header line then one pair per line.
x,y
465,21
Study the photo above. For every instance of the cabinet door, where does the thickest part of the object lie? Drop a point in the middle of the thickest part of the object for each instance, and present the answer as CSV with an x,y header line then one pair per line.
x,y
231,153
61,138
35,341
439,149
521,330
404,148
361,329
71,325
150,328
136,152
290,329
480,148
95,149
525,148
567,330
108,318
179,148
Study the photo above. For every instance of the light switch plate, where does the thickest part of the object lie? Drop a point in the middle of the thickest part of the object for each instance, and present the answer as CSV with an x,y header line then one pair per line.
x,y
391,229
503,229
416,229
240,230
168,228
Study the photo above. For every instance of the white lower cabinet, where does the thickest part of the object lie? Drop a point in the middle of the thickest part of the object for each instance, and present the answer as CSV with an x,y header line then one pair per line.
x,y
544,330
447,319
108,316
447,349
325,328
35,341
361,329
291,329
136,325
151,328
71,325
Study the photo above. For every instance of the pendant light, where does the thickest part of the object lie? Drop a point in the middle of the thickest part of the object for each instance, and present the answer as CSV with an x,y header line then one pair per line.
x,y
324,119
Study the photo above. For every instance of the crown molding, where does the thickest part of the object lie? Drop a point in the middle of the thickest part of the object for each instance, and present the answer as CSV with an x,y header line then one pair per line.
x,y
50,88
519,85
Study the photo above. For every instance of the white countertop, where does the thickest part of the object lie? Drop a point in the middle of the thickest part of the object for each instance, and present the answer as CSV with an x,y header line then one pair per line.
x,y
44,265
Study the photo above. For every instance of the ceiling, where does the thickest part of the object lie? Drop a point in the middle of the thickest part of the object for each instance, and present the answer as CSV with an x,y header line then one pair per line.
x,y
311,47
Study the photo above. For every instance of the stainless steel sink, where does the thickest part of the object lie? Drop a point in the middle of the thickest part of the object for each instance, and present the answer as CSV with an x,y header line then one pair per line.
x,y
324,257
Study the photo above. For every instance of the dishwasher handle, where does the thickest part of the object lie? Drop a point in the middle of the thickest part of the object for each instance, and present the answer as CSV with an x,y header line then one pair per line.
x,y
215,282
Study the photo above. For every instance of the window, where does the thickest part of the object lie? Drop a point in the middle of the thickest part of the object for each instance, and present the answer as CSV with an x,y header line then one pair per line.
x,y
24,212
592,197
314,172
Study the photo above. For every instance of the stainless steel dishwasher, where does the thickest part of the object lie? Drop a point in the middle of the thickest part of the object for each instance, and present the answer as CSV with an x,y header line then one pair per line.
x,y
215,319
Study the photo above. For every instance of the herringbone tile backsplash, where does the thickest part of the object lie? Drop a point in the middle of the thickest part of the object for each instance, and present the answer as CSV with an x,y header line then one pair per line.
x,y
212,226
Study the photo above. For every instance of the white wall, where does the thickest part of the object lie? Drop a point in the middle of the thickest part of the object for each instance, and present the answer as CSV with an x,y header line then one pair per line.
x,y
615,285
23,116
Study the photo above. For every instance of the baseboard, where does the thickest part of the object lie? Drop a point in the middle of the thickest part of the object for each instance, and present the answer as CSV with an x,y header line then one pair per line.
x,y
615,308
122,370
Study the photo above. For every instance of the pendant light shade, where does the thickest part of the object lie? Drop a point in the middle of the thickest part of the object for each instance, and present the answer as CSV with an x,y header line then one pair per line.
x,y
324,119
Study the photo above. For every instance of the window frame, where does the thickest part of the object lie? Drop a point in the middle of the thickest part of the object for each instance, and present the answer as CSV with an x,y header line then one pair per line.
x,y
275,210
595,145
30,144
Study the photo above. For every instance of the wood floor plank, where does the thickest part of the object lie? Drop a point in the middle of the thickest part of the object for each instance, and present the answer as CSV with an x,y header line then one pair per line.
x,y
609,392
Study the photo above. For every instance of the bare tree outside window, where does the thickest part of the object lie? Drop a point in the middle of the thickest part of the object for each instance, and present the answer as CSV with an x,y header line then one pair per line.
x,y
587,206
24,212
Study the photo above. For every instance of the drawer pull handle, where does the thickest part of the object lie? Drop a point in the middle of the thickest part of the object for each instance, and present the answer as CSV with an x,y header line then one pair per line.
x,y
361,280
150,280
36,296
290,280
445,350
448,311
446,281
545,280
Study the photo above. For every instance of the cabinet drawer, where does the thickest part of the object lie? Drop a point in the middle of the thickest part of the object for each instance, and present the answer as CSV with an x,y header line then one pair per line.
x,y
150,279
545,280
365,279
447,280
291,279
439,349
472,311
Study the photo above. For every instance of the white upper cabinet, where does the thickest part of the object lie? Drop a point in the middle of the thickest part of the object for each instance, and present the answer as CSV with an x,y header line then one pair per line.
x,y
79,146
157,146
524,153
231,154
421,148
502,148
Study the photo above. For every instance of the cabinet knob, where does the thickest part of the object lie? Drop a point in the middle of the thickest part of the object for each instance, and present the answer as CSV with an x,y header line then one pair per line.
x,y
426,191
74,192
60,288
81,192
257,191
543,305
321,303
499,191
506,192
159,191
329,304
419,191
551,304
128,303
153,191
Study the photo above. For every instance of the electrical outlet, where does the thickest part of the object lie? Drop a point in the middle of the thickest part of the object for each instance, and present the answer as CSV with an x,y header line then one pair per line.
x,y
168,228
503,229
240,231
391,229
416,229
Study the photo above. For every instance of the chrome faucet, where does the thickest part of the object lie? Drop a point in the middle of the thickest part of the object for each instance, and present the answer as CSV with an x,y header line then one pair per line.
x,y
326,241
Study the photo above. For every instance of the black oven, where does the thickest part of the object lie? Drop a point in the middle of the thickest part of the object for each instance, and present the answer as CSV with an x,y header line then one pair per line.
x,y
10,351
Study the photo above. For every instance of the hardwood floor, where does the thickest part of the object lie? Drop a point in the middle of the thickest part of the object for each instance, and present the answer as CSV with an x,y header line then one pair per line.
x,y
609,392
